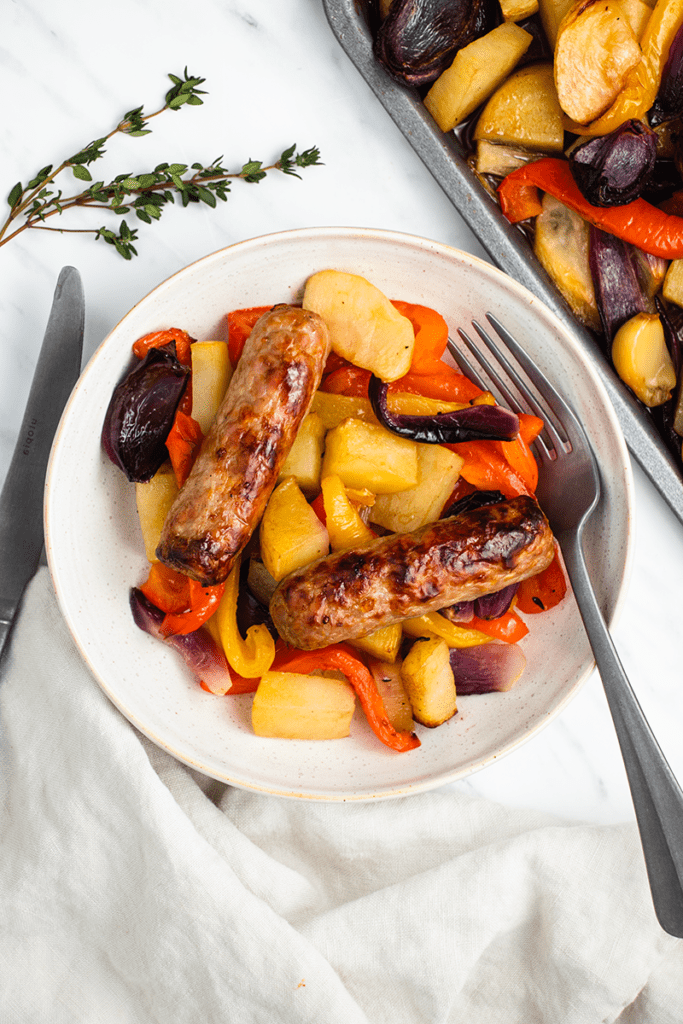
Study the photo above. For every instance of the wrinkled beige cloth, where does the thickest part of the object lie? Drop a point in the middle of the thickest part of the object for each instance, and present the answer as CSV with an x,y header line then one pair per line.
x,y
135,891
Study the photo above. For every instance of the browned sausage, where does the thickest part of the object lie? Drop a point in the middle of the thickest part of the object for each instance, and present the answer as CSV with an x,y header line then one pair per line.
x,y
352,593
224,496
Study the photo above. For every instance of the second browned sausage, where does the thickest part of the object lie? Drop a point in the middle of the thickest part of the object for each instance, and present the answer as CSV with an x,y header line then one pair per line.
x,y
227,490
352,593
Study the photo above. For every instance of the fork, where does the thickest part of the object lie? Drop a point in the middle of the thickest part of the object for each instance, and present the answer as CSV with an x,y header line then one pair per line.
x,y
569,491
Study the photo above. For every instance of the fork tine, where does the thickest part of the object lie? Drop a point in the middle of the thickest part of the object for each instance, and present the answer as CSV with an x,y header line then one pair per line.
x,y
466,366
553,423
510,399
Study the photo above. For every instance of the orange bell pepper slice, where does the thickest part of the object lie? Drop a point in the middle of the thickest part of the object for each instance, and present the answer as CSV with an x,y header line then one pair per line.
x,y
240,324
344,659
488,469
507,627
186,603
431,335
157,339
347,380
544,590
638,222
183,443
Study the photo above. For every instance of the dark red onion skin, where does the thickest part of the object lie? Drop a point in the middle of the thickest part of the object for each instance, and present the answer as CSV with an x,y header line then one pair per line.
x,y
490,668
141,413
614,169
474,423
617,290
418,39
459,614
492,606
198,650
669,102
477,499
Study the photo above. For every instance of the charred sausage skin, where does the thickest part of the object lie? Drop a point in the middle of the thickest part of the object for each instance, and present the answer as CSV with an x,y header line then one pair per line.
x,y
352,593
225,495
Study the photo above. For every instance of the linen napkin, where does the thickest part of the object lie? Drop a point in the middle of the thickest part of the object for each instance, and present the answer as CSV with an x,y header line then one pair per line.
x,y
134,890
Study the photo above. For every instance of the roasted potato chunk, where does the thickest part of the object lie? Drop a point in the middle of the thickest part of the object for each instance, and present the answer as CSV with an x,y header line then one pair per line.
x,y
428,678
595,51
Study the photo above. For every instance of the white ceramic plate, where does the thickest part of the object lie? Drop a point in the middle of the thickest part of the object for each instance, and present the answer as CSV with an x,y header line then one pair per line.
x,y
95,550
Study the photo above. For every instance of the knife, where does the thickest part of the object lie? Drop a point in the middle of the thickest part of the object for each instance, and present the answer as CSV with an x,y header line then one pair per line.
x,y
21,500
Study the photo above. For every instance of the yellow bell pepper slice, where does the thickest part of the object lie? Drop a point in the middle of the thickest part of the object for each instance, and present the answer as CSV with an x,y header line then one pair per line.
x,y
642,83
251,657
345,527
432,624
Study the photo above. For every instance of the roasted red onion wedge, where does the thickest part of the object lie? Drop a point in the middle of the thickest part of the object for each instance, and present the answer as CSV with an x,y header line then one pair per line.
x,y
617,289
418,38
492,606
486,669
474,423
612,170
198,650
141,412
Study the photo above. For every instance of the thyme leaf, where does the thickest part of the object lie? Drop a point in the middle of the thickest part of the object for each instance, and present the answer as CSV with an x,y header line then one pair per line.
x,y
145,194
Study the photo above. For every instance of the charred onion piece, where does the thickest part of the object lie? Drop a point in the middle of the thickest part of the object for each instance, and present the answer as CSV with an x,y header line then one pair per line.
x,y
418,38
669,102
492,606
617,290
475,423
198,649
491,667
612,170
141,413
477,499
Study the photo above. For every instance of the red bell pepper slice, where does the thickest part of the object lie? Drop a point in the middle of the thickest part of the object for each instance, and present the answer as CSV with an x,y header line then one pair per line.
x,y
183,443
186,603
347,380
240,324
507,627
157,339
431,335
488,469
544,590
639,222
344,659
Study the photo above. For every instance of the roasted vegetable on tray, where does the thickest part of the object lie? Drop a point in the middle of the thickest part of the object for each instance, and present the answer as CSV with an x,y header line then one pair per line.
x,y
339,513
571,112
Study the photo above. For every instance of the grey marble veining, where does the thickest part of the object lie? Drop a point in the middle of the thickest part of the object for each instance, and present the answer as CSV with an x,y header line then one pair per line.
x,y
275,75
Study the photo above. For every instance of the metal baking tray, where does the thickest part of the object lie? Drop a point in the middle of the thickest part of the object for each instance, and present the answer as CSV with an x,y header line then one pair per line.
x,y
507,246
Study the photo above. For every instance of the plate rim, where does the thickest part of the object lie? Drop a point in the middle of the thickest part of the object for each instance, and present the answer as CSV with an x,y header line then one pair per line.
x,y
329,234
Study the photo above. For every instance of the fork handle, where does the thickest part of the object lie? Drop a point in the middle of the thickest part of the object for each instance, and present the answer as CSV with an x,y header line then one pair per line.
x,y
657,796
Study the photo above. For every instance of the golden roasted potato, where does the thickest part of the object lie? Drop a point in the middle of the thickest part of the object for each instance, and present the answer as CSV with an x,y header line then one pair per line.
x,y
383,643
672,289
478,69
154,499
596,48
211,373
306,455
290,705
437,472
364,326
428,678
367,455
291,533
517,10
561,245
642,360
525,111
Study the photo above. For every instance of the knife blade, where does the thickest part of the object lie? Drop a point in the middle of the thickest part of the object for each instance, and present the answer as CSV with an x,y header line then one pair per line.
x,y
21,500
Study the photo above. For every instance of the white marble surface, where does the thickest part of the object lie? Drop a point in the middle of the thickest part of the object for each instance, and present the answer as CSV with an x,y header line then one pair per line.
x,y
276,75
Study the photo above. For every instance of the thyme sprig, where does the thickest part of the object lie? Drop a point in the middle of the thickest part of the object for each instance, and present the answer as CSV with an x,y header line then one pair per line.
x,y
144,194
